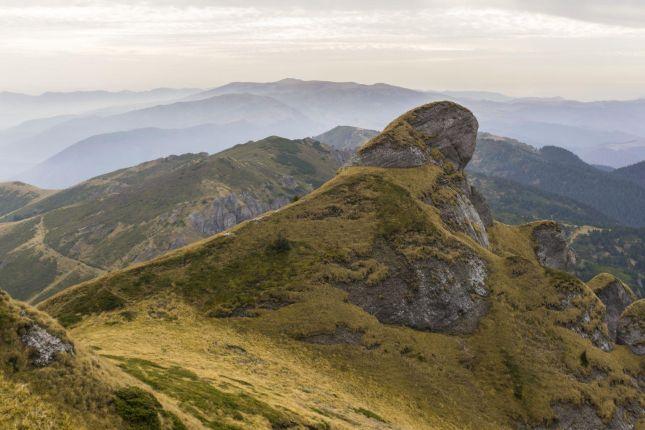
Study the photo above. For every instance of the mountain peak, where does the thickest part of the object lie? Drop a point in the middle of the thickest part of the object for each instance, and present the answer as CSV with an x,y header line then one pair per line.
x,y
414,138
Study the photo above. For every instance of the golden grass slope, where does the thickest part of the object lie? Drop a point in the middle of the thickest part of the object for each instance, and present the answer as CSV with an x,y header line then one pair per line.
x,y
258,316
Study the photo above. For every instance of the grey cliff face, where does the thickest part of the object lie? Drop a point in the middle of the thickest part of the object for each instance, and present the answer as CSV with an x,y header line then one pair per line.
x,y
432,295
230,210
631,328
409,140
616,296
551,247
449,127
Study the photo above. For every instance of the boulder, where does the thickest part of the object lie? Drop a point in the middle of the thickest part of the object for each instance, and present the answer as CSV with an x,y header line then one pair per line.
x,y
631,327
615,295
44,345
551,247
409,140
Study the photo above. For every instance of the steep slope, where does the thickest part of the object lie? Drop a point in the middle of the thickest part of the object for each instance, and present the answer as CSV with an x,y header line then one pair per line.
x,y
48,381
15,195
515,203
558,171
617,250
137,213
229,108
384,299
634,173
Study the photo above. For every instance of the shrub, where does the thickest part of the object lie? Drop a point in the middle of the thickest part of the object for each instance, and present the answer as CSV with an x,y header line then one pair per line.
x,y
138,408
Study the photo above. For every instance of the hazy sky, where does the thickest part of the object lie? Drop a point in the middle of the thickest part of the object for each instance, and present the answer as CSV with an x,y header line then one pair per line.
x,y
585,49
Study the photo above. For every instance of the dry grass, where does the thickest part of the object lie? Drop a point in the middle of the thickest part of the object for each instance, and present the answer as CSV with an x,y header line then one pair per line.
x,y
521,359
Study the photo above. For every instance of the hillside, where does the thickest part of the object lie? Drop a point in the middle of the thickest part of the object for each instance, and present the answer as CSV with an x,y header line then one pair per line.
x,y
49,381
618,250
346,137
105,153
221,110
634,173
514,203
558,171
387,298
15,195
138,213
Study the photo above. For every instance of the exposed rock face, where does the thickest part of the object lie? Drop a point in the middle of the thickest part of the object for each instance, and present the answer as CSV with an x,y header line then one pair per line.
x,y
435,133
431,295
581,311
631,327
461,215
230,210
481,206
584,417
409,139
551,247
615,295
45,346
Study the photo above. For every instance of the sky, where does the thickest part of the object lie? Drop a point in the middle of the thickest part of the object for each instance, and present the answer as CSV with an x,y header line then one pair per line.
x,y
591,49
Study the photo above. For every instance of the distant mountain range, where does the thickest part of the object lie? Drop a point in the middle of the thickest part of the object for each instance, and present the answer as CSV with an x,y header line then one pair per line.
x,y
16,108
608,133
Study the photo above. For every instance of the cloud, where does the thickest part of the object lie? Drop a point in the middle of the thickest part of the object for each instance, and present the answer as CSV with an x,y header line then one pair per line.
x,y
328,37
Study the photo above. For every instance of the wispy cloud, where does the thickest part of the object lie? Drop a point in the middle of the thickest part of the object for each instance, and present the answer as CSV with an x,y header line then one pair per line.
x,y
265,31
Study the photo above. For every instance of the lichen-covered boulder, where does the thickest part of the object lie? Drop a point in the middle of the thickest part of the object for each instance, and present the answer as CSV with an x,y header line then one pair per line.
x,y
615,295
551,247
44,345
631,327
408,141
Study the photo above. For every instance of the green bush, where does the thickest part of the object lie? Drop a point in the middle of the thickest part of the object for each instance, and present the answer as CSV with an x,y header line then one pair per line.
x,y
138,408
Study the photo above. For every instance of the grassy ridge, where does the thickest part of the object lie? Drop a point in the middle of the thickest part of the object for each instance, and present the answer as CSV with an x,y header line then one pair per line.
x,y
259,293
138,213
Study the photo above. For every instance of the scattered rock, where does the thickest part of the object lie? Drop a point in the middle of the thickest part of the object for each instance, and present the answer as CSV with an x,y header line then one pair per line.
x,y
551,247
408,141
631,327
45,346
615,295
584,417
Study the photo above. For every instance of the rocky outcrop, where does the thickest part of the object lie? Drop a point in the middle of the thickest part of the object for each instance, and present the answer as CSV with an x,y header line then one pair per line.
x,y
631,327
432,295
551,247
584,417
615,295
483,210
227,211
441,133
409,140
43,345
460,214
